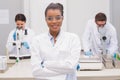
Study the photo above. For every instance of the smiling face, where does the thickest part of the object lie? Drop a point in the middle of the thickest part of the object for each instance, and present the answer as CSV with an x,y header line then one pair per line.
x,y
54,20
20,24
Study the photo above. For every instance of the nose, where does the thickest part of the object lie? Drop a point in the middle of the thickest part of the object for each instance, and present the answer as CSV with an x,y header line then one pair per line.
x,y
54,20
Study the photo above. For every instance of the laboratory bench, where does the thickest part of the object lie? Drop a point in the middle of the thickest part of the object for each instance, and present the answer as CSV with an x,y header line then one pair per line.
x,y
23,71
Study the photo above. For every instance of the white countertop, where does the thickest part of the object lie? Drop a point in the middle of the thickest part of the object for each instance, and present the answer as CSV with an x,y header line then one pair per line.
x,y
105,74
23,71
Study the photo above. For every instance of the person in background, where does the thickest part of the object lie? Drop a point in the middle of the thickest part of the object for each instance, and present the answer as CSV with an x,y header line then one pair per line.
x,y
20,37
100,36
55,54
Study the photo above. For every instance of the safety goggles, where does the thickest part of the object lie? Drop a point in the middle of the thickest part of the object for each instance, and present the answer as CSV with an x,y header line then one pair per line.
x,y
50,18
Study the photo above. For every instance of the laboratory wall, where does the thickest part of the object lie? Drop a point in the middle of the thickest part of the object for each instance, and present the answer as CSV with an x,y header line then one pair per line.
x,y
115,17
76,15
8,10
80,11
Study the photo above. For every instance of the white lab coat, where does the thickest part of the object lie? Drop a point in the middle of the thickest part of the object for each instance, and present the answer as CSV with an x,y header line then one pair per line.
x,y
60,60
91,38
12,50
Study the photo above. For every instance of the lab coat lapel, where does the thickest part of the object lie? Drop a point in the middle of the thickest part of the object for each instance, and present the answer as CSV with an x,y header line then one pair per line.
x,y
60,39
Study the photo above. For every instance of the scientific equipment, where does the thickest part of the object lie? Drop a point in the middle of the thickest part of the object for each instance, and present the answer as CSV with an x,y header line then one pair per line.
x,y
107,57
18,41
92,62
108,61
116,60
3,63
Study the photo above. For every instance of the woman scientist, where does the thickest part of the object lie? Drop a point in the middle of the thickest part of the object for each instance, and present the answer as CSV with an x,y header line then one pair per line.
x,y
20,37
55,54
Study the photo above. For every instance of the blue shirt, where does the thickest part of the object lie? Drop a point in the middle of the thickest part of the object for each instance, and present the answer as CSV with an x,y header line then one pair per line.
x,y
52,38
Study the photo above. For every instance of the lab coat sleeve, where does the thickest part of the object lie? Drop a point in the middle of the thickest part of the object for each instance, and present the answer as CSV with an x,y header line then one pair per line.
x,y
69,64
38,70
10,41
113,42
86,37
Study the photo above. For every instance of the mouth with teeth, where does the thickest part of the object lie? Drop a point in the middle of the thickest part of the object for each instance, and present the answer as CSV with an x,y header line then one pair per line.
x,y
54,27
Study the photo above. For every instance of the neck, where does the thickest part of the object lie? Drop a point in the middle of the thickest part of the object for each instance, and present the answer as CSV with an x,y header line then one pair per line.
x,y
54,34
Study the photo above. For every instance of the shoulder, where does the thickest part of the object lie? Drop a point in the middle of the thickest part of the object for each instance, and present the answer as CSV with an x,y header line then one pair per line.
x,y
71,35
29,29
91,24
40,37
12,31
72,38
91,21
110,27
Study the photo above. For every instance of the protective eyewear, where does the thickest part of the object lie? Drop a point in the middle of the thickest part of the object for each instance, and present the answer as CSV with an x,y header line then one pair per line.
x,y
52,18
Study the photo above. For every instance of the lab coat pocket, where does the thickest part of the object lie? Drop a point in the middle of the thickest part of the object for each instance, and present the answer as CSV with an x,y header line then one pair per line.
x,y
63,54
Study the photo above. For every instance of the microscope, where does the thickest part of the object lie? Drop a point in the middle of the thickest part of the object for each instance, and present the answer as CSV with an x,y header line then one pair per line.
x,y
18,41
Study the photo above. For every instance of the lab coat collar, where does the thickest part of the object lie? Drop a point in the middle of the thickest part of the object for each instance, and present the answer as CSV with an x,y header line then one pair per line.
x,y
51,37
58,39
